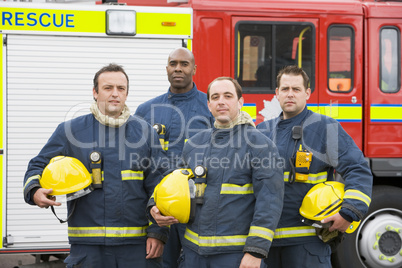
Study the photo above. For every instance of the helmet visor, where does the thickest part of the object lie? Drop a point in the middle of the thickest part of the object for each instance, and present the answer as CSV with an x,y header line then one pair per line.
x,y
316,224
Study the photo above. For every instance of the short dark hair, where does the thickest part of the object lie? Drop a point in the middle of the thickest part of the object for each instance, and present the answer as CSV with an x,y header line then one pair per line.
x,y
234,81
293,70
112,67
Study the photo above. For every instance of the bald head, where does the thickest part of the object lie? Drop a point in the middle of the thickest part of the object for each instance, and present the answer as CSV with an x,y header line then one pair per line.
x,y
180,70
182,51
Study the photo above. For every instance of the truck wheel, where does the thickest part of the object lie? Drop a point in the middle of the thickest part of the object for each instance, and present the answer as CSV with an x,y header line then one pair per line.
x,y
378,240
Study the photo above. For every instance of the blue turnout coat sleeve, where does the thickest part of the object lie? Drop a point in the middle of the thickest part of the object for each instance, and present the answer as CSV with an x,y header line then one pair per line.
x,y
268,194
340,153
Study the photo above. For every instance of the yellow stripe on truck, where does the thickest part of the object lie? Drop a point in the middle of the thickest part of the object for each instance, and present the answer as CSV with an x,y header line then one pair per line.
x,y
251,109
341,112
386,113
52,20
164,23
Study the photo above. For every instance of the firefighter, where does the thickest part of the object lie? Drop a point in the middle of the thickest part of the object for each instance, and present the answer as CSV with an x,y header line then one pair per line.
x,y
234,222
109,227
183,112
313,146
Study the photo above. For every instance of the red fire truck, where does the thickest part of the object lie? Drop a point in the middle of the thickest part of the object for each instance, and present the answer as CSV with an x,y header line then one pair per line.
x,y
352,52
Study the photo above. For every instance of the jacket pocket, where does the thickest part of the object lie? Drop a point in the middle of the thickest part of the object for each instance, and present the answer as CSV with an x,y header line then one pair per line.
x,y
320,250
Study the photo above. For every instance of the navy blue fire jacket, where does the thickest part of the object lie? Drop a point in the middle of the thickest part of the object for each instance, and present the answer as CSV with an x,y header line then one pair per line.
x,y
244,193
183,115
114,214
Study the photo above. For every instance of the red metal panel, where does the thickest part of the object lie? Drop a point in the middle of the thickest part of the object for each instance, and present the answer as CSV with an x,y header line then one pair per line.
x,y
208,49
273,6
327,97
382,138
383,9
262,6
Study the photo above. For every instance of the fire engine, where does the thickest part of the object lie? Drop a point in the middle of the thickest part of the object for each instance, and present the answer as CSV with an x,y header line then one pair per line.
x,y
351,49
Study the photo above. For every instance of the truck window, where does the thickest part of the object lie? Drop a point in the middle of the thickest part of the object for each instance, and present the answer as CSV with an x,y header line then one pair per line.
x,y
263,48
390,60
340,58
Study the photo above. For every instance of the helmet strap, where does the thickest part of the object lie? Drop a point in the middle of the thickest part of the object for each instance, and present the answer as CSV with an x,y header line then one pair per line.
x,y
71,213
297,134
193,206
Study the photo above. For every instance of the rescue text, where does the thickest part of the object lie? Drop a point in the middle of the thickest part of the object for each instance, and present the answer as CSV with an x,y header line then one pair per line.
x,y
32,19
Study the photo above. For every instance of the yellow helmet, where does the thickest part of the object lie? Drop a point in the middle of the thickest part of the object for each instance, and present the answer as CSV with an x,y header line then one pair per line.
x,y
66,176
174,194
322,201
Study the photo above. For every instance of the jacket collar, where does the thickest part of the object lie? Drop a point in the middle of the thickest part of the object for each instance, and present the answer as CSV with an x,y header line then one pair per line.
x,y
110,121
242,119
183,96
296,120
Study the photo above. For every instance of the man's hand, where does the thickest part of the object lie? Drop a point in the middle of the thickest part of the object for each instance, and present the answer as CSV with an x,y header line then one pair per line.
x,y
249,261
154,248
339,223
43,199
161,220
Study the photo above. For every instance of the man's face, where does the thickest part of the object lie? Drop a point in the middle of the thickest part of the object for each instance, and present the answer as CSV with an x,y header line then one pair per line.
x,y
112,93
223,102
180,71
292,95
